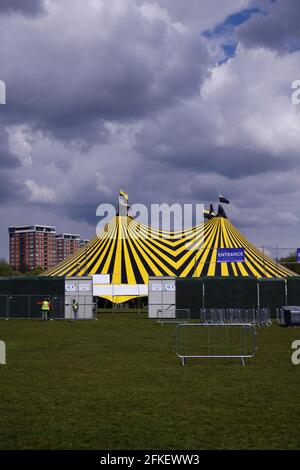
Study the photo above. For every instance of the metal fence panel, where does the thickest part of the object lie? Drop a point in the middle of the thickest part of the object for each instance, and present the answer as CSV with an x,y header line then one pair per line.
x,y
172,315
260,317
58,306
198,340
4,286
293,291
272,294
34,307
216,292
3,306
20,297
18,306
27,306
189,292
263,317
231,292
36,286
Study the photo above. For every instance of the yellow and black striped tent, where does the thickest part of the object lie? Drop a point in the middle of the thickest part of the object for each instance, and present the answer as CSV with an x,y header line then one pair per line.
x,y
131,252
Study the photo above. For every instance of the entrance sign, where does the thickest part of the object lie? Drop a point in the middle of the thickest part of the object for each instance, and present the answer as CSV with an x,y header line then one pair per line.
x,y
230,255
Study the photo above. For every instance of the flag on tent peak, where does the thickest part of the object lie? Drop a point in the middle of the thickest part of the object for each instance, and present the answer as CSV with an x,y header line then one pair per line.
x,y
209,214
223,199
124,194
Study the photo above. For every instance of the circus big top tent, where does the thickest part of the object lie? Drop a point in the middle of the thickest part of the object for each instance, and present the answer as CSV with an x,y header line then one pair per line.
x,y
130,252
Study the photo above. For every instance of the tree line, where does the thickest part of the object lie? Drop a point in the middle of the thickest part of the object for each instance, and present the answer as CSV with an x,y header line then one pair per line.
x,y
6,270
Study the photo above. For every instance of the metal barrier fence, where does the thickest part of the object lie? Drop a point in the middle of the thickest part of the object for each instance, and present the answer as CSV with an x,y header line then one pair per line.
x,y
173,315
215,340
259,317
27,307
235,292
263,317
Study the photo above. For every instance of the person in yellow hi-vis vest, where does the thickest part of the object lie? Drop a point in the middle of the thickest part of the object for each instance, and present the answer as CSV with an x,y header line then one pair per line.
x,y
45,308
75,308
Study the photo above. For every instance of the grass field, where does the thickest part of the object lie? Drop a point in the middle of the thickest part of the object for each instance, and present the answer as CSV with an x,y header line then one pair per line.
x,y
116,383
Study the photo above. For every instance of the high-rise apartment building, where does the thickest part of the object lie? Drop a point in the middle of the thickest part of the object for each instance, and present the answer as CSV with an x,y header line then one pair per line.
x,y
83,242
31,247
66,245
38,246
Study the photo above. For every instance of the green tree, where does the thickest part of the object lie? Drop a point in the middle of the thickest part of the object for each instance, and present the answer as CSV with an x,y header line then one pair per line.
x,y
6,270
290,262
34,272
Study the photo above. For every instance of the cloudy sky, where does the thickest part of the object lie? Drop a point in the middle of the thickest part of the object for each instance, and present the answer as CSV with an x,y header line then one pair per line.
x,y
173,100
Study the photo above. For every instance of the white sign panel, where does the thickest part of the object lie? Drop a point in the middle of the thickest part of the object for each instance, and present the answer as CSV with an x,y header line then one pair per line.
x,y
101,278
70,287
156,287
119,290
84,287
170,287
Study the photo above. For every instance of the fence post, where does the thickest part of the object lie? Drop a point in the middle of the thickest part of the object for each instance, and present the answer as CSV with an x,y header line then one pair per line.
x,y
7,306
286,292
52,306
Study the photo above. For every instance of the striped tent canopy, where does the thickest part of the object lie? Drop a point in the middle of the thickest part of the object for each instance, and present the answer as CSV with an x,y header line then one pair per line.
x,y
131,252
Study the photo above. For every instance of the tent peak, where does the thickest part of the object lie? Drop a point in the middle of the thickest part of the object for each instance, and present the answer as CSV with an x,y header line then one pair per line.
x,y
221,212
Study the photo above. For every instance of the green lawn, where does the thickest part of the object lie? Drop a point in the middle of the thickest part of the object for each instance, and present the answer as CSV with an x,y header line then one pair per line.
x,y
116,383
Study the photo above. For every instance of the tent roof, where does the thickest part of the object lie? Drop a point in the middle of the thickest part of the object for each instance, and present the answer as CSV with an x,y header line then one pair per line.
x,y
131,252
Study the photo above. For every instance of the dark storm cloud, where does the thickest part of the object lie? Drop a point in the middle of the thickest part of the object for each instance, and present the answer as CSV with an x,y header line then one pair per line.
x,y
233,162
83,209
10,190
82,213
120,67
25,7
279,29
7,159
186,139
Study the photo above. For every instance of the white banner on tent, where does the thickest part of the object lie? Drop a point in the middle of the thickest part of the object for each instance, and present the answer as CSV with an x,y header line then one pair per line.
x,y
101,278
120,289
